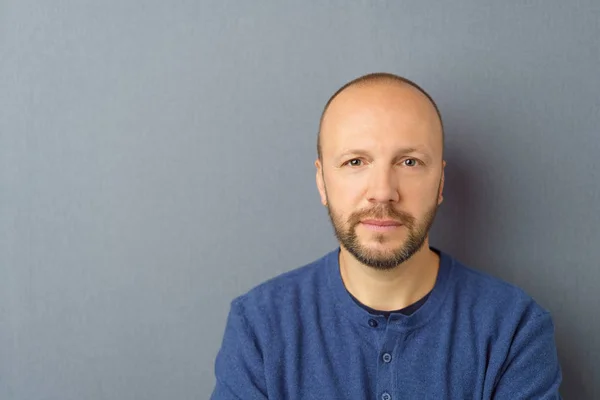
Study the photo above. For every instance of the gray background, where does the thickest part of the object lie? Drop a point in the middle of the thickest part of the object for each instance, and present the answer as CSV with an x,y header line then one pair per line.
x,y
156,160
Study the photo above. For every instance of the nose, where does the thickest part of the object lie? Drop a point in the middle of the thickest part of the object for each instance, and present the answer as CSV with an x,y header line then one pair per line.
x,y
383,185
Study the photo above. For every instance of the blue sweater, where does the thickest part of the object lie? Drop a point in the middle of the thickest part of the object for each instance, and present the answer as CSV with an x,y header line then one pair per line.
x,y
301,336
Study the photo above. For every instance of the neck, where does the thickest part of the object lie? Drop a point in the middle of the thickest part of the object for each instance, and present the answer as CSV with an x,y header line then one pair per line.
x,y
394,289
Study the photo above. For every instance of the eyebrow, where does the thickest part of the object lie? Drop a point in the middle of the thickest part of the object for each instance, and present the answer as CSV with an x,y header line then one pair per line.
x,y
403,151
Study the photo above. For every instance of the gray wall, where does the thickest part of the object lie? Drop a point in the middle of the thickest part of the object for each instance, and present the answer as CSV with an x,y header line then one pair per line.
x,y
156,160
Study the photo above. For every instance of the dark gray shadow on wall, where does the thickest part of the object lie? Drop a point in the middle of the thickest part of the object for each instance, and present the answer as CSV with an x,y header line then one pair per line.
x,y
450,230
474,224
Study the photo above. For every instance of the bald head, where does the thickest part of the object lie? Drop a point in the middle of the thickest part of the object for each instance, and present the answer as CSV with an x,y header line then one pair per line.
x,y
362,90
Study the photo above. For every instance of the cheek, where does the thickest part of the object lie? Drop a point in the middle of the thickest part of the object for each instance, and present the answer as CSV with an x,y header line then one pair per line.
x,y
346,192
341,205
419,196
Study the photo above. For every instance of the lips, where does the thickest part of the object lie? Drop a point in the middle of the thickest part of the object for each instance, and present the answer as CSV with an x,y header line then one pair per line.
x,y
381,222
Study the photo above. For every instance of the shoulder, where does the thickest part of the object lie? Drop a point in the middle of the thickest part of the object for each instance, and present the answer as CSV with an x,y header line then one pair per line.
x,y
285,291
490,297
516,332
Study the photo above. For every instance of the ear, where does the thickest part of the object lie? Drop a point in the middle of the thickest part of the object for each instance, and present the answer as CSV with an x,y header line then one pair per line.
x,y
321,182
441,191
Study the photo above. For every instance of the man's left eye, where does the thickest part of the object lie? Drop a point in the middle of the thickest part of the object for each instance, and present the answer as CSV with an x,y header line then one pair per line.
x,y
410,162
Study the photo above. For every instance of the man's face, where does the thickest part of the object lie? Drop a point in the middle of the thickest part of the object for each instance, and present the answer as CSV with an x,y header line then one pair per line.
x,y
381,173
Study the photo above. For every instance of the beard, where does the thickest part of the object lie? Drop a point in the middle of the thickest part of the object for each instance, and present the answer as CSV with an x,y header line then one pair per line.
x,y
345,231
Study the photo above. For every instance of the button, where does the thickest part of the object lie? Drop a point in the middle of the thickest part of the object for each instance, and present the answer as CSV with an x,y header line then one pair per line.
x,y
387,357
386,396
373,323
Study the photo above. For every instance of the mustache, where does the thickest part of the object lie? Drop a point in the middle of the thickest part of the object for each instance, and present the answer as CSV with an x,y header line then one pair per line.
x,y
382,212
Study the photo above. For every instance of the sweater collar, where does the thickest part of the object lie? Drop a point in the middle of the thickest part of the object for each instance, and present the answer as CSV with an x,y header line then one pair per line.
x,y
362,317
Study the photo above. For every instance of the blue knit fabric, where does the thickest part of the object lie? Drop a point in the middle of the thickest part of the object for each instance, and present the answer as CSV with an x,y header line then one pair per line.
x,y
301,336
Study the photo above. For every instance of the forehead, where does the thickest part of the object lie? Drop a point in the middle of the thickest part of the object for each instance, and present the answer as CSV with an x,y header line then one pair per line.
x,y
381,116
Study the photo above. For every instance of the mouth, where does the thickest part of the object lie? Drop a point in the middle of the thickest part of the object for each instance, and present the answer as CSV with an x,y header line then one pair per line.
x,y
381,225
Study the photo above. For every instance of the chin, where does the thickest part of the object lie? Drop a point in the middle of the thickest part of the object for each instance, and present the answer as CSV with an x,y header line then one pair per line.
x,y
382,249
383,242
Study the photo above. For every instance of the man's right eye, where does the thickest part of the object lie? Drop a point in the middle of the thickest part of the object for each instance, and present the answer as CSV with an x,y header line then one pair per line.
x,y
355,162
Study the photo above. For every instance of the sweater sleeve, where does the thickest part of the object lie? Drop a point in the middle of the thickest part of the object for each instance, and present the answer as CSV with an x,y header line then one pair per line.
x,y
531,369
239,367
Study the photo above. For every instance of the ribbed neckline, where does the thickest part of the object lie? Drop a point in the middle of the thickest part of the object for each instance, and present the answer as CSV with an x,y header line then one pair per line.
x,y
362,317
408,310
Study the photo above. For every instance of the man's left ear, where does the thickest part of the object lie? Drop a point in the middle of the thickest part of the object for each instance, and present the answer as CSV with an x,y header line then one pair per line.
x,y
441,192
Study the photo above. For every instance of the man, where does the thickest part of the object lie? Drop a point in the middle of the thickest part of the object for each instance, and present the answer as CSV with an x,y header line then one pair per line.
x,y
385,316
